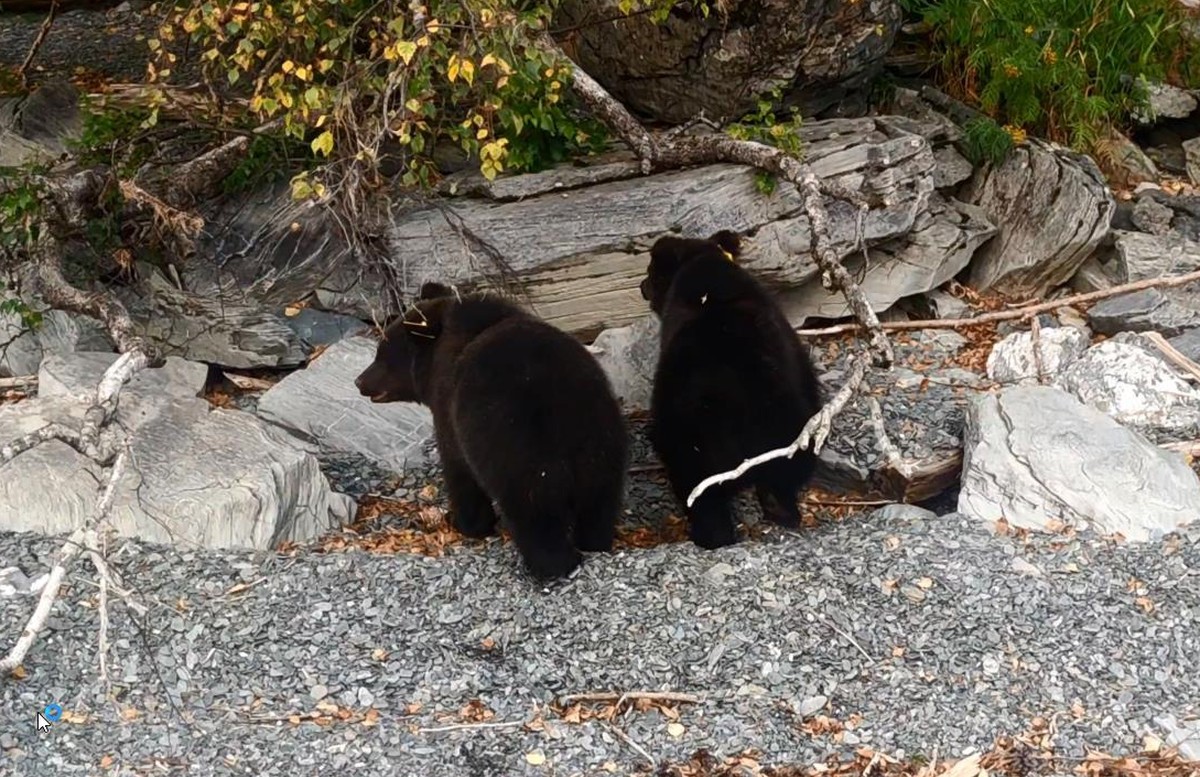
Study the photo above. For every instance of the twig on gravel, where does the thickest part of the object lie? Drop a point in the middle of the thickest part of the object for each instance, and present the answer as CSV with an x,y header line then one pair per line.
x,y
92,543
468,726
1172,353
815,431
38,40
1035,340
630,741
1010,315
19,382
620,698
845,635
891,453
70,549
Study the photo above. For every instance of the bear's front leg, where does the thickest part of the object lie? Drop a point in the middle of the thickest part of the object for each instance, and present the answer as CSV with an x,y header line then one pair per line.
x,y
471,511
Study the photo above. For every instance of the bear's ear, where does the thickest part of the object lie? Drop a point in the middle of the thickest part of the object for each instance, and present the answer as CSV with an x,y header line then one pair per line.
x,y
432,290
728,241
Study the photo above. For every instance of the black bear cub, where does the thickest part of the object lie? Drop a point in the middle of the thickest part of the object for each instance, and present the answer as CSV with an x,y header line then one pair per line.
x,y
522,414
733,381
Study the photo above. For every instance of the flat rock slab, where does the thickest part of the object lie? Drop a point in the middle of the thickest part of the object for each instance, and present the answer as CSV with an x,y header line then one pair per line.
x,y
1149,310
1188,344
321,404
196,476
1033,455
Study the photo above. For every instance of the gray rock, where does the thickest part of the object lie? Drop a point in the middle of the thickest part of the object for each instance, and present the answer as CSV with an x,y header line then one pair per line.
x,y
1181,735
1032,454
902,512
1167,102
1150,215
946,305
76,376
1012,359
1135,388
321,404
38,127
59,333
940,245
1191,156
811,706
629,356
1188,344
716,64
1093,275
315,328
1053,208
1131,162
582,277
1142,257
952,167
196,476
1149,310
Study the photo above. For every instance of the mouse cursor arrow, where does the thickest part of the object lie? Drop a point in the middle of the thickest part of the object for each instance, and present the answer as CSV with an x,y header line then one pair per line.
x,y
43,725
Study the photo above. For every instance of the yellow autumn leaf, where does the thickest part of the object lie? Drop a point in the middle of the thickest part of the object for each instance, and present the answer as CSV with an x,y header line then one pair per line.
x,y
488,59
323,143
405,50
288,66
468,71
452,68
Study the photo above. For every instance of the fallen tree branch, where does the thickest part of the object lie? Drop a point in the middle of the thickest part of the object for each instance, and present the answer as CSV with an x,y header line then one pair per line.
x,y
19,382
1017,313
1187,448
70,549
816,431
1173,355
1035,340
619,698
891,454
42,32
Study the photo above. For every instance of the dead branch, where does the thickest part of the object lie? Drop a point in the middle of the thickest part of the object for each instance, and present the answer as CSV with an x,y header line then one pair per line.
x,y
1187,448
1172,353
620,698
1035,341
11,450
1027,311
91,541
816,431
633,744
891,454
19,382
42,32
70,549
469,726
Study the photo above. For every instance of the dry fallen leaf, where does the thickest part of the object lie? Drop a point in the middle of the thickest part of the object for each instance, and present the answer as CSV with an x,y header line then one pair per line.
x,y
1151,744
892,542
1078,710
967,767
413,708
925,583
106,762
371,718
19,673
1145,603
536,758
488,643
129,713
675,729
379,654
897,651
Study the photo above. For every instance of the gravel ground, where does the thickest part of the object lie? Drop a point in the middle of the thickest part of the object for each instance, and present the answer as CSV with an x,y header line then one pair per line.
x,y
235,643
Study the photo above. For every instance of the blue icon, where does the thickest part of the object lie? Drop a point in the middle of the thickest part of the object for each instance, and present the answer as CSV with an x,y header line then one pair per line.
x,y
53,713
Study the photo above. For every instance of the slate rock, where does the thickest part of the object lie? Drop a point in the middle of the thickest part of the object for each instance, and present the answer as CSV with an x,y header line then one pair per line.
x,y
321,404
1012,359
629,357
1149,310
195,477
1137,389
1188,344
1052,207
1035,453
58,333
315,328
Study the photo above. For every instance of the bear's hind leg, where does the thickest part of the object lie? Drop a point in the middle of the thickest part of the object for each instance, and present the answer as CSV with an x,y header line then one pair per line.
x,y
471,511
776,485
596,517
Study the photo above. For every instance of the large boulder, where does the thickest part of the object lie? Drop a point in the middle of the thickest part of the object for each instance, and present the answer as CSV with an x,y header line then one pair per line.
x,y
1053,208
576,239
22,349
320,403
196,476
817,52
1012,360
1033,455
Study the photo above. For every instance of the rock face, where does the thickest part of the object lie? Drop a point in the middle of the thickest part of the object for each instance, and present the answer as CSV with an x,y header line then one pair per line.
x,y
196,476
1034,454
629,356
1012,359
1137,389
1053,208
58,333
817,52
320,403
1149,310
582,274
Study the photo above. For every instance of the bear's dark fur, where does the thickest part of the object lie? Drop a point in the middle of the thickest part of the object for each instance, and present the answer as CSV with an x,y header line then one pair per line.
x,y
733,381
522,413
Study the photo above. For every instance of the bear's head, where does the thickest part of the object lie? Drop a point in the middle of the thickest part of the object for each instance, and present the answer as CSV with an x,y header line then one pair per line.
x,y
403,359
669,254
